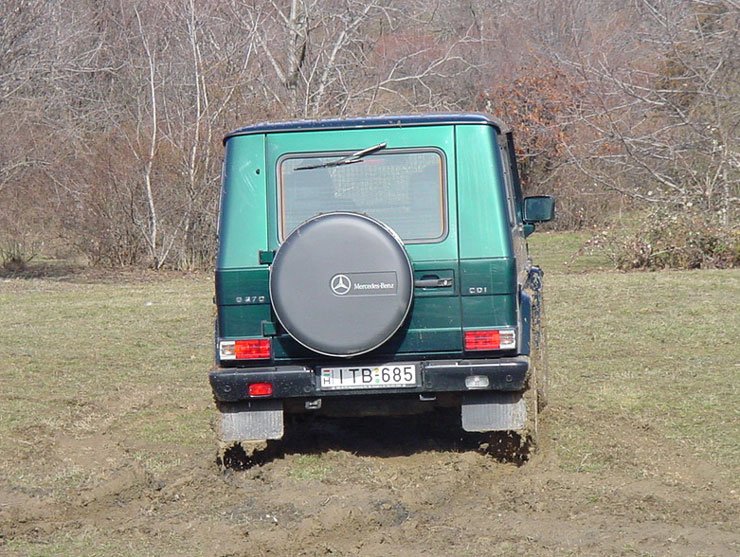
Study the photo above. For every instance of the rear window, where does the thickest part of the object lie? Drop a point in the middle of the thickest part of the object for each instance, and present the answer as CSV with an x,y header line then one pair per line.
x,y
403,189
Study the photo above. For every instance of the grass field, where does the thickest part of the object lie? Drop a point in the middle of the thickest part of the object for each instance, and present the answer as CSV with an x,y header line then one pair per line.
x,y
106,379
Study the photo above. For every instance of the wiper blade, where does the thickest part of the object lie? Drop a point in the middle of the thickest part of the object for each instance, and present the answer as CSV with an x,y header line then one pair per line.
x,y
339,162
349,159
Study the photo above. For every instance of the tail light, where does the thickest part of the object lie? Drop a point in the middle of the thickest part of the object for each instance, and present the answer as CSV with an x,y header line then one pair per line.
x,y
245,349
492,339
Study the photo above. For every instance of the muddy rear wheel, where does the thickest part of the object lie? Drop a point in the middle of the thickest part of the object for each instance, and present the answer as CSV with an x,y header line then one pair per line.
x,y
536,395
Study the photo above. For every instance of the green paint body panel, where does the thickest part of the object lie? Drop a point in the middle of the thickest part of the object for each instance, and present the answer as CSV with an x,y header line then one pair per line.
x,y
243,321
242,286
484,312
243,299
243,215
484,228
476,254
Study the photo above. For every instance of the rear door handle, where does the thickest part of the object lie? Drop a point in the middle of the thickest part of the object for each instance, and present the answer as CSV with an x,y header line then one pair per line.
x,y
433,282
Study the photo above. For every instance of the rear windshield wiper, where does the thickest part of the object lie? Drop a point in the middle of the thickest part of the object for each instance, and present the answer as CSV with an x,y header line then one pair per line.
x,y
349,159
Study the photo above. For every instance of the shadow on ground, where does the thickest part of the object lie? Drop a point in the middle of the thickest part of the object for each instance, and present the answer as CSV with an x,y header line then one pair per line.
x,y
382,437
56,270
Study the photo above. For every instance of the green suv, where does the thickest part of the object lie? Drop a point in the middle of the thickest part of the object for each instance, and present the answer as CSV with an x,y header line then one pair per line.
x,y
376,266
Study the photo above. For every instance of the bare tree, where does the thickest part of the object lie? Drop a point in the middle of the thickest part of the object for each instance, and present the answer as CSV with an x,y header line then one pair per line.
x,y
195,114
21,55
180,78
328,57
117,107
663,129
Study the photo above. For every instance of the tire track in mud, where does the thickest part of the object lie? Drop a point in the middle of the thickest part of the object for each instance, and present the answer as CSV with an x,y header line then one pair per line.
x,y
433,498
386,487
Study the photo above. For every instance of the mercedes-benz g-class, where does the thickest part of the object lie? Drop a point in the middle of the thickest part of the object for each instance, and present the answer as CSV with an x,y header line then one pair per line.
x,y
376,266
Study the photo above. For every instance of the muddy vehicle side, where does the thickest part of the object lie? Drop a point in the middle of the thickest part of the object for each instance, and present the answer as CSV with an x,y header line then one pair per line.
x,y
376,266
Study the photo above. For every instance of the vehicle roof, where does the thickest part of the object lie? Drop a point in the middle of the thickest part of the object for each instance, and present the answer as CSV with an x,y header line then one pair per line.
x,y
408,120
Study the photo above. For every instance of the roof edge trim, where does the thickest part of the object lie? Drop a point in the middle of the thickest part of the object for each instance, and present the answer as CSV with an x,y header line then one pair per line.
x,y
369,122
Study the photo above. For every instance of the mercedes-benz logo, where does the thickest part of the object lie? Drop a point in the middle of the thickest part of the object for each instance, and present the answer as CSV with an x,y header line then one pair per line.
x,y
340,284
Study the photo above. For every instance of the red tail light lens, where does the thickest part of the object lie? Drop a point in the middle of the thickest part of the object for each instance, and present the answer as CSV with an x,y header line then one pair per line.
x,y
247,349
252,349
495,339
482,340
260,389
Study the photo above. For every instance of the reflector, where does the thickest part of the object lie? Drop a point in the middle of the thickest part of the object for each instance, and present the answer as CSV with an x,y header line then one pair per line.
x,y
260,389
226,350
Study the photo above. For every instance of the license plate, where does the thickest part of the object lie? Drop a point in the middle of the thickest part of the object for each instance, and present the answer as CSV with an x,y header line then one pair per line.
x,y
368,377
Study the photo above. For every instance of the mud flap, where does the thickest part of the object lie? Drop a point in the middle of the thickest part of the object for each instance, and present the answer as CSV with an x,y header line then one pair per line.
x,y
253,420
493,411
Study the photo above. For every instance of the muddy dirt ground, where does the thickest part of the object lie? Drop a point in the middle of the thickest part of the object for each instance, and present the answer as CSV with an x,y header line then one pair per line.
x,y
379,487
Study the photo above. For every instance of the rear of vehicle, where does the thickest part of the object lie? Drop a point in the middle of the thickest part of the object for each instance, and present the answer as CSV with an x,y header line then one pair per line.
x,y
373,266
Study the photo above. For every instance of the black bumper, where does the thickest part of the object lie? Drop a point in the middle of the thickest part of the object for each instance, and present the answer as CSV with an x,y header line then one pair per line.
x,y
436,376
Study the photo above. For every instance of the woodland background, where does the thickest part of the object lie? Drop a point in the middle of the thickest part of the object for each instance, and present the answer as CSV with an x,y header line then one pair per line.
x,y
114,110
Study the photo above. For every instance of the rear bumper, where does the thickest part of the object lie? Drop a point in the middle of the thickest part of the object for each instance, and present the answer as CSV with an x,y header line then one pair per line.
x,y
436,376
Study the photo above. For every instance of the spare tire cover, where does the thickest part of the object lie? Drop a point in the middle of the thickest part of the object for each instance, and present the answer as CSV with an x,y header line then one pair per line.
x,y
341,284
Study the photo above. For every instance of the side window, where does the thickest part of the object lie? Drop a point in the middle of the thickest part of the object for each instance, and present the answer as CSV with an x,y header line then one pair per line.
x,y
508,182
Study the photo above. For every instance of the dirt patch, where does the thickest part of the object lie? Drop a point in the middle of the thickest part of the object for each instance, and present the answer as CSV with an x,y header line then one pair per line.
x,y
386,486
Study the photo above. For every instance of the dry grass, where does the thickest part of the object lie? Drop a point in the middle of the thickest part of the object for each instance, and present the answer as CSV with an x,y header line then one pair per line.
x,y
650,351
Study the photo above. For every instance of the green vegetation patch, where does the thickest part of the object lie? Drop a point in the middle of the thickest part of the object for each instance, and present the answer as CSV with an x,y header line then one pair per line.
x,y
309,467
80,360
656,351
566,252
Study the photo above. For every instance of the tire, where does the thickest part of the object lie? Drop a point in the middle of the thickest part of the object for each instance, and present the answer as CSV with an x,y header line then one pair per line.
x,y
539,350
341,284
536,393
